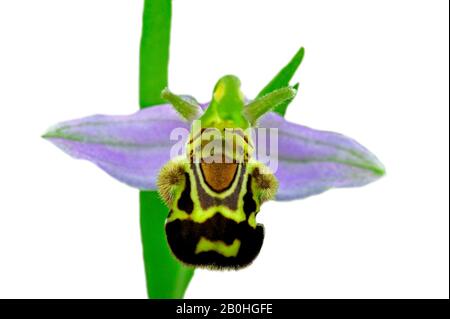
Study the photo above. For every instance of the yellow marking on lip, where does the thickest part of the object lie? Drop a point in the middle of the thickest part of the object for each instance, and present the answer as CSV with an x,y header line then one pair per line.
x,y
252,220
205,245
200,215
219,92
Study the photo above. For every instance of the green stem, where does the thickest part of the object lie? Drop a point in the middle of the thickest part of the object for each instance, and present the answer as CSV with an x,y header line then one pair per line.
x,y
166,277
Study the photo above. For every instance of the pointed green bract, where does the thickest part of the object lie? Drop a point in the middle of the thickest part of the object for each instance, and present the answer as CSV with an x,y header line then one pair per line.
x,y
166,277
227,105
283,78
257,108
187,108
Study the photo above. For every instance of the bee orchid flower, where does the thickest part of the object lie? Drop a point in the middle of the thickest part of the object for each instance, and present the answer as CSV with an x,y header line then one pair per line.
x,y
199,197
213,205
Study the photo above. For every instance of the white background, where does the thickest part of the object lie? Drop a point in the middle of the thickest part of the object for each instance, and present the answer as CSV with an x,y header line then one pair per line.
x,y
374,70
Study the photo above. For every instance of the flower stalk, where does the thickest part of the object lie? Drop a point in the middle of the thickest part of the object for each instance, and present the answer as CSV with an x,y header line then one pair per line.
x,y
166,277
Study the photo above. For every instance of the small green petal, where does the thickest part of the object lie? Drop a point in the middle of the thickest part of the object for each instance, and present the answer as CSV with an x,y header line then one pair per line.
x,y
266,103
187,108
